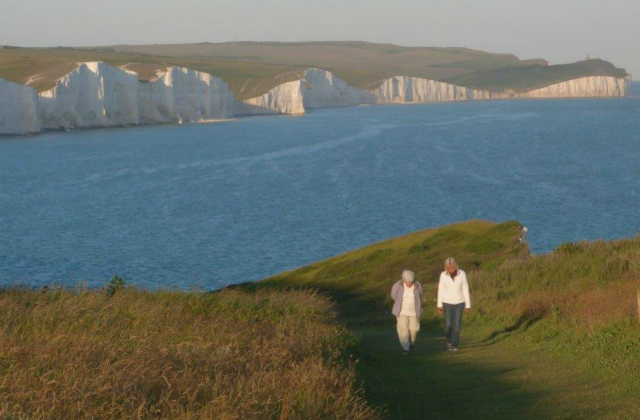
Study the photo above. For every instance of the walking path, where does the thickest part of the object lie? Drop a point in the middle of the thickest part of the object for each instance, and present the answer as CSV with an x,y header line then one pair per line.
x,y
499,380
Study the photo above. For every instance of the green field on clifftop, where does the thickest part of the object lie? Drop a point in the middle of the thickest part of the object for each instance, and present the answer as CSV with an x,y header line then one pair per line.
x,y
253,68
548,337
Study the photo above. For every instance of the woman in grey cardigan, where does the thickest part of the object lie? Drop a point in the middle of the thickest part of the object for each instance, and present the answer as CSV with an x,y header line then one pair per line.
x,y
407,308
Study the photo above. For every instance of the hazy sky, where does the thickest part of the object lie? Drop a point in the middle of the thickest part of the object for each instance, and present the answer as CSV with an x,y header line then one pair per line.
x,y
558,30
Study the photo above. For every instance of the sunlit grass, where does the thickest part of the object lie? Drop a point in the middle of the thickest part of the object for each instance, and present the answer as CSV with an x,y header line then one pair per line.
x,y
575,309
553,335
77,354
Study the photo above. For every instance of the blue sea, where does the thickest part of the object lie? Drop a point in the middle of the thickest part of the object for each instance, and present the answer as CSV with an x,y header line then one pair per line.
x,y
207,205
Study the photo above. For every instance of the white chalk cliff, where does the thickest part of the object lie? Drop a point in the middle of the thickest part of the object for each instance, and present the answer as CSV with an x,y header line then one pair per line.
x,y
18,109
283,99
404,89
98,95
180,95
321,89
93,95
583,87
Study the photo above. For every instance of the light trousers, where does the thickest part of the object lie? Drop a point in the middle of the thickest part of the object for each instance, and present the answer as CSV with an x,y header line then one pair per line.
x,y
408,327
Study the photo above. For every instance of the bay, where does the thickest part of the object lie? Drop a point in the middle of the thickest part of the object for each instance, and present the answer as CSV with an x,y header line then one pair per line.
x,y
207,205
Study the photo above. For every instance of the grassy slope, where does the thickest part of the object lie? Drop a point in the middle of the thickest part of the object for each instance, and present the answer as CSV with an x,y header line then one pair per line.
x,y
535,76
174,355
365,274
44,66
251,68
550,336
363,65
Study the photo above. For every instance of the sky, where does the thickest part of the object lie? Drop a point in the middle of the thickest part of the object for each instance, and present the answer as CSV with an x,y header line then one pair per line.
x,y
561,31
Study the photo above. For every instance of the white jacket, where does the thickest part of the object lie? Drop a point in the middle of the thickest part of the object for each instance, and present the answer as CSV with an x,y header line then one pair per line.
x,y
453,292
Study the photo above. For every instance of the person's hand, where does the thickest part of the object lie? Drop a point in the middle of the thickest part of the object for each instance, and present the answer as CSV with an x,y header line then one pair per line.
x,y
441,310
466,310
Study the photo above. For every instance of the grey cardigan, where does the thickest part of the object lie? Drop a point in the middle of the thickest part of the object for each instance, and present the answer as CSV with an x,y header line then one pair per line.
x,y
397,292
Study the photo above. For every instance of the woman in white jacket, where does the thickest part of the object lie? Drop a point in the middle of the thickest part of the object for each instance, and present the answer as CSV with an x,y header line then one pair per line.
x,y
453,299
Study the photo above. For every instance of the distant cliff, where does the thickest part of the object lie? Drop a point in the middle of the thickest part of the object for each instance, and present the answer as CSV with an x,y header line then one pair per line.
x,y
18,109
321,89
584,87
98,95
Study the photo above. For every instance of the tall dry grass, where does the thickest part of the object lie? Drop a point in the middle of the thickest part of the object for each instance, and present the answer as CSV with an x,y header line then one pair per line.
x,y
68,354
588,284
580,302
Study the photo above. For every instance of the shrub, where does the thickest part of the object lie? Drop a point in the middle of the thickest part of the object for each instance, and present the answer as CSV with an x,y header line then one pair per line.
x,y
115,284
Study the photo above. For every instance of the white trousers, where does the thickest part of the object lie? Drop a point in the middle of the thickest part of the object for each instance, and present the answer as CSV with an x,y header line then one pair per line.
x,y
408,327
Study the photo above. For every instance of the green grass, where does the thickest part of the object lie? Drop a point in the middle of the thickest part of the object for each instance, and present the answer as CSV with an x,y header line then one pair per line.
x,y
502,380
126,353
363,277
525,78
551,336
361,64
43,66
252,68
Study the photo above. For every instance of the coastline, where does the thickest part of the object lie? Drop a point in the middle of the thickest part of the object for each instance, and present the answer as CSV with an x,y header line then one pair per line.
x,y
243,117
97,95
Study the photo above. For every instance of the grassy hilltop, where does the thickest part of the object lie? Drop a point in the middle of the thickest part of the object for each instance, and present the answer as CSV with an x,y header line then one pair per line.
x,y
549,337
253,68
363,277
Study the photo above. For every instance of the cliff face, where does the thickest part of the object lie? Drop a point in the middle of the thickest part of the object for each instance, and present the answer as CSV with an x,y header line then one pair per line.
x,y
321,89
180,95
317,89
93,95
99,95
403,89
18,109
584,87
283,99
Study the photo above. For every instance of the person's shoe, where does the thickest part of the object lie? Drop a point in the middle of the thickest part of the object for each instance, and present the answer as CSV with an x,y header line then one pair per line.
x,y
449,346
406,353
454,349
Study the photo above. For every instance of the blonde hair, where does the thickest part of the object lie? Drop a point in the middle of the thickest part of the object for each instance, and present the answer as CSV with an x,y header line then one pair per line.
x,y
450,262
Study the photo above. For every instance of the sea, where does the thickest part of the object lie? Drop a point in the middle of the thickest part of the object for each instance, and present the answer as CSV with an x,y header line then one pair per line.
x,y
202,206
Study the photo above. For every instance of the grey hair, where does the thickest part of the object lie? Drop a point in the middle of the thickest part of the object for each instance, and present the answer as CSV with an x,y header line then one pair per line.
x,y
408,275
450,262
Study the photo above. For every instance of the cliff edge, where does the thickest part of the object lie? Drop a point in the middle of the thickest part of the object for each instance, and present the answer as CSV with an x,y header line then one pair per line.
x,y
96,94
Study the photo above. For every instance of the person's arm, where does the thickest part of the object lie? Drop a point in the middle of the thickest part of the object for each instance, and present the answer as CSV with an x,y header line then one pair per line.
x,y
440,286
393,291
465,290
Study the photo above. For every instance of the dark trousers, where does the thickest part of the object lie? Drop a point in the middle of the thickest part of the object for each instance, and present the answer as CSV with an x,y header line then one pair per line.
x,y
453,322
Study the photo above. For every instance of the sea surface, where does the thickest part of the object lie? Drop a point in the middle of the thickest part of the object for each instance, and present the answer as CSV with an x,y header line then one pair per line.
x,y
206,205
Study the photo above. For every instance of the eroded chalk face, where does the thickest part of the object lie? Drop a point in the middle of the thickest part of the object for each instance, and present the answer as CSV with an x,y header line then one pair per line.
x,y
18,109
98,95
